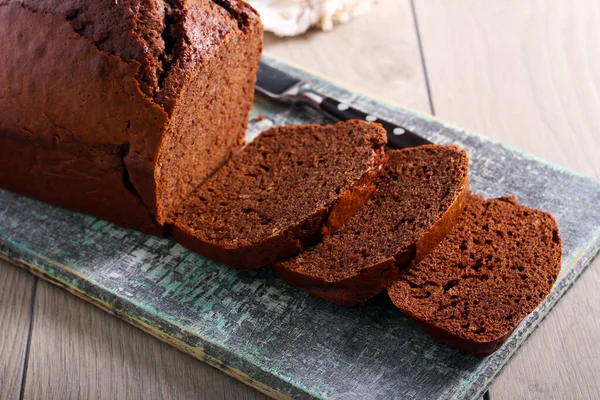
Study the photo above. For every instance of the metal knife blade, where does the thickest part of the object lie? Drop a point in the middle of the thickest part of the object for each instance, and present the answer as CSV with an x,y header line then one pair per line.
x,y
272,82
282,87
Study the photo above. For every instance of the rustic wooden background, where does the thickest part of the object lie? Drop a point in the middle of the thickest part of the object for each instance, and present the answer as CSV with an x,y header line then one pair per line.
x,y
524,72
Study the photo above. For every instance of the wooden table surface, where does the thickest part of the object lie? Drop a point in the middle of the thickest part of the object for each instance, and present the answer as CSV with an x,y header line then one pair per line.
x,y
524,72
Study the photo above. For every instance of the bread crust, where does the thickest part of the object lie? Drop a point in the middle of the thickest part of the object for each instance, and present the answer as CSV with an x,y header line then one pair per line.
x,y
348,292
66,96
477,348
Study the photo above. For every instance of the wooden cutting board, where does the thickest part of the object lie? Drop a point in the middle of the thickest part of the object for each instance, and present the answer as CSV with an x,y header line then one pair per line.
x,y
276,338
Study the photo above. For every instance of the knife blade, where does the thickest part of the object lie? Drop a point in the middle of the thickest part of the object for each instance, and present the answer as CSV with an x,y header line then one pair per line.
x,y
284,88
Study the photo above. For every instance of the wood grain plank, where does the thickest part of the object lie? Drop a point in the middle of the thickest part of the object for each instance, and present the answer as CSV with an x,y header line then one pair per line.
x,y
522,72
377,52
526,73
78,351
16,287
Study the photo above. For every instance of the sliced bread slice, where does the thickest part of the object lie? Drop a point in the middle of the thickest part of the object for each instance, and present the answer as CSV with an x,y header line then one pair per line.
x,y
419,197
495,267
282,192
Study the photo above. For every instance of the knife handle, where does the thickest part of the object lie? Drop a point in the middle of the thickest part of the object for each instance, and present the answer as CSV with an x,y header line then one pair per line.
x,y
398,137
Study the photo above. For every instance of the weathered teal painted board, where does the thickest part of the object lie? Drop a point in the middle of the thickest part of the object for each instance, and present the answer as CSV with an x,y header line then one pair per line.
x,y
276,338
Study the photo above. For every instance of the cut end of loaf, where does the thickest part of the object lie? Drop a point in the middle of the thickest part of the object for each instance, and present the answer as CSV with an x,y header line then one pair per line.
x,y
417,200
208,122
495,267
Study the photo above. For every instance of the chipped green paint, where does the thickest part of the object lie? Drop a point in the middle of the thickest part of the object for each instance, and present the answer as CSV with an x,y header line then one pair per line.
x,y
275,338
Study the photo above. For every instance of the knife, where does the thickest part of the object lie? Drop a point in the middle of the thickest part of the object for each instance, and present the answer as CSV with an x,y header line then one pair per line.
x,y
281,87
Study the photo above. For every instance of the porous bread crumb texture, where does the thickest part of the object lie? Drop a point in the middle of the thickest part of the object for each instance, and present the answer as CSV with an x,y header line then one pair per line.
x,y
209,123
495,267
283,184
415,190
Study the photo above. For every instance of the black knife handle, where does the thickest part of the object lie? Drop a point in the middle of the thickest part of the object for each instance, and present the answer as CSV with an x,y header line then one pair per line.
x,y
398,137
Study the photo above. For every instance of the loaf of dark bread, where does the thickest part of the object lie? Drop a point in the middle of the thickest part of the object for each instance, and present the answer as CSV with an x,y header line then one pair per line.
x,y
419,197
119,109
495,267
282,192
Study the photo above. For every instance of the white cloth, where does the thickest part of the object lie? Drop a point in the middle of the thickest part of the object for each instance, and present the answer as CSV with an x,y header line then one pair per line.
x,y
293,17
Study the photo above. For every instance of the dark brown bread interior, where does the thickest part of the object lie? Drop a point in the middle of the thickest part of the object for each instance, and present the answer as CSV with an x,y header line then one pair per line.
x,y
419,197
495,267
120,109
279,194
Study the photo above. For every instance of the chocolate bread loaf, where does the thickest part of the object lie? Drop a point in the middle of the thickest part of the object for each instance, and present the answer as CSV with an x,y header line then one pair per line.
x,y
282,192
419,197
119,109
495,267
